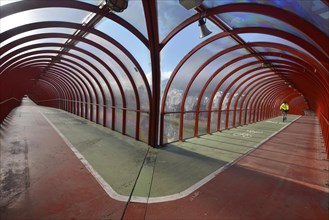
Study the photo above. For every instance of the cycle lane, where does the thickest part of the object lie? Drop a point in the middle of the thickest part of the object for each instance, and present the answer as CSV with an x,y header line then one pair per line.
x,y
284,178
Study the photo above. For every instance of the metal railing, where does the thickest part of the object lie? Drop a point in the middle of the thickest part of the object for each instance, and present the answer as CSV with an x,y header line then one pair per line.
x,y
6,106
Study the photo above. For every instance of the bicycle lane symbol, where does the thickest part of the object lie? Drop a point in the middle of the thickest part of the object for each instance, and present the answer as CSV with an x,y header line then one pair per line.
x,y
275,122
247,133
242,134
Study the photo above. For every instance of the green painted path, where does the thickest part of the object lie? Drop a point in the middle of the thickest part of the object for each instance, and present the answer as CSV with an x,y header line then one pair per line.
x,y
133,169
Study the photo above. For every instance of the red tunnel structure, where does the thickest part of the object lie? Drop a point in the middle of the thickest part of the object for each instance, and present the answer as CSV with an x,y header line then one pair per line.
x,y
261,54
54,70
164,72
144,71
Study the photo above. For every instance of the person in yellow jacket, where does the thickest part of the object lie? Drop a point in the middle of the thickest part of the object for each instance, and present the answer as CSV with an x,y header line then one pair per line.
x,y
284,108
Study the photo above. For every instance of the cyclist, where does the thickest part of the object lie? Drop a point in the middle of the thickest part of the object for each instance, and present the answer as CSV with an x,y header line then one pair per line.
x,y
284,108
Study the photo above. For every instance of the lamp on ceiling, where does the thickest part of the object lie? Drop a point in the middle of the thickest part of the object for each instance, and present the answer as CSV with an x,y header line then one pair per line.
x,y
56,59
266,65
117,5
204,31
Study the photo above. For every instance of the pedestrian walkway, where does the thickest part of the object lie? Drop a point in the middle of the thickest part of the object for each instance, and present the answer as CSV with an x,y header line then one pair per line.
x,y
286,177
127,167
57,165
41,178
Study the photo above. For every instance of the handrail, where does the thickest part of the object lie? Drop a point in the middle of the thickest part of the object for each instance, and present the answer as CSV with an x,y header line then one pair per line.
x,y
95,104
200,111
325,133
7,100
48,100
325,119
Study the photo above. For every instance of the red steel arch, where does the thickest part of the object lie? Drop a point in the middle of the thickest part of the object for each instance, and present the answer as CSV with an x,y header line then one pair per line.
x,y
42,84
306,72
73,84
294,51
75,64
82,86
65,69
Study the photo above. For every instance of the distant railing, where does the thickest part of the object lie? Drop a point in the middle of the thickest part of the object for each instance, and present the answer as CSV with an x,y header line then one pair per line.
x,y
7,100
325,132
6,106
94,104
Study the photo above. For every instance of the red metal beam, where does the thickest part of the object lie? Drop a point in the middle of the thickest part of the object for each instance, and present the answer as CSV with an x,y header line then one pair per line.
x,y
234,81
64,93
260,91
275,92
34,26
21,6
288,17
292,50
68,84
73,63
251,90
67,70
248,88
81,50
293,58
110,54
154,46
263,74
50,87
83,88
197,73
74,84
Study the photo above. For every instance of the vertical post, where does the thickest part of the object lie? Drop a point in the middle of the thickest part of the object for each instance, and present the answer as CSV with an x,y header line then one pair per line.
x,y
104,115
154,47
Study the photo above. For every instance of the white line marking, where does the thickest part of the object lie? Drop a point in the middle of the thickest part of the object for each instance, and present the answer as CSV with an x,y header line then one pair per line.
x,y
194,187
242,134
109,190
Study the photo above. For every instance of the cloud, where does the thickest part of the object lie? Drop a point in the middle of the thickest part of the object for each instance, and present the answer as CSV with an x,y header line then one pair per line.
x,y
164,76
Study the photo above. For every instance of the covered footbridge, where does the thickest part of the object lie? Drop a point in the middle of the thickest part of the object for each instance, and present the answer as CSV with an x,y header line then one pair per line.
x,y
164,105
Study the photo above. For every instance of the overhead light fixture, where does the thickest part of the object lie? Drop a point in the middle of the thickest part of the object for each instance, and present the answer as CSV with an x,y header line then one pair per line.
x,y
56,59
117,5
203,28
188,4
266,65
